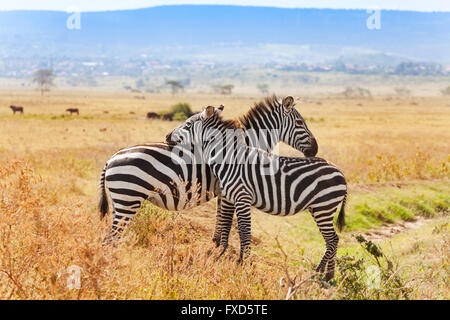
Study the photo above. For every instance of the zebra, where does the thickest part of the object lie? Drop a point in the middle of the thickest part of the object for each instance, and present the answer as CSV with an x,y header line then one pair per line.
x,y
147,172
249,176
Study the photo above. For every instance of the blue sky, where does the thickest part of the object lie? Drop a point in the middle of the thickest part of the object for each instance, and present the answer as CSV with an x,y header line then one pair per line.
x,y
102,5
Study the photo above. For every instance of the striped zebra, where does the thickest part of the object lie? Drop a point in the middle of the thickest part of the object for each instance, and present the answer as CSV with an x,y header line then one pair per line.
x,y
277,185
155,173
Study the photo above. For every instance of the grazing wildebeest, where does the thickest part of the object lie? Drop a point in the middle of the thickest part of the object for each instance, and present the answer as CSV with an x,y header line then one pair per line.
x,y
73,110
167,116
152,115
16,108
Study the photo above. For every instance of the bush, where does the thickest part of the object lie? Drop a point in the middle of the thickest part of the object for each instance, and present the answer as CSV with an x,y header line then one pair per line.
x,y
446,91
356,92
181,107
377,278
402,91
180,116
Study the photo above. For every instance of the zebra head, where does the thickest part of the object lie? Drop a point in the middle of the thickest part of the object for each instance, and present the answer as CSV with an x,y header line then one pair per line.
x,y
273,120
192,131
294,130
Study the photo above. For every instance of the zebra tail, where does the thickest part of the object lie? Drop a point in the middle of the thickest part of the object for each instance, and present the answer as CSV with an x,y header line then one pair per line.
x,y
103,205
341,216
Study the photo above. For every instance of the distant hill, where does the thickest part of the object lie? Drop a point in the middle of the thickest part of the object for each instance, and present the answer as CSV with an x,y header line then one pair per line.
x,y
236,33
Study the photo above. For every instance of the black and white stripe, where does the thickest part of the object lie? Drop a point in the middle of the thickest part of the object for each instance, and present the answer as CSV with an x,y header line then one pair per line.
x,y
277,185
155,172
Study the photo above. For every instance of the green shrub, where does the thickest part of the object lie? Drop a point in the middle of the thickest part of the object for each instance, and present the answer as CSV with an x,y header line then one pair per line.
x,y
182,107
180,116
356,279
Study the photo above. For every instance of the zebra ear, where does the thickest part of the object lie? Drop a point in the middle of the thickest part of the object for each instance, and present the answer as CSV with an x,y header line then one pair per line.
x,y
208,112
220,109
288,103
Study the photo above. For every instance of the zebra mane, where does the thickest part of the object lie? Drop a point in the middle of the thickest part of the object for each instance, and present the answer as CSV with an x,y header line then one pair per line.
x,y
229,124
267,105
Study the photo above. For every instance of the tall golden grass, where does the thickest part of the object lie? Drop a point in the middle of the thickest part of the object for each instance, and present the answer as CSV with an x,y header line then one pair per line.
x,y
49,171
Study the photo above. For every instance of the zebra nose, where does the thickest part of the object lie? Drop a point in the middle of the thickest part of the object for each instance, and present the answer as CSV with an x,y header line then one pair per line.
x,y
169,138
312,151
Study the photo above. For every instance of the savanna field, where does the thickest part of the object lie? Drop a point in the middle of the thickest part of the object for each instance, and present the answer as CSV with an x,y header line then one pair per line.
x,y
394,152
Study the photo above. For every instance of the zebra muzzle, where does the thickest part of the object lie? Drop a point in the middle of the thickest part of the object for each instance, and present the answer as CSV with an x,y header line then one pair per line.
x,y
312,151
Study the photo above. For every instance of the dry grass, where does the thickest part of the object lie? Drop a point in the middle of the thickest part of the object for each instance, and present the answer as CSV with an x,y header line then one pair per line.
x,y
163,256
50,165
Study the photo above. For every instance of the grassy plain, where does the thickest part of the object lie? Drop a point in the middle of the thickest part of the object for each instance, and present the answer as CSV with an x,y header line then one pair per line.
x,y
394,152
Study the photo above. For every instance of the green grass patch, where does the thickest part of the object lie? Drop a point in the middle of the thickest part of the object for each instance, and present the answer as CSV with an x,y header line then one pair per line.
x,y
389,205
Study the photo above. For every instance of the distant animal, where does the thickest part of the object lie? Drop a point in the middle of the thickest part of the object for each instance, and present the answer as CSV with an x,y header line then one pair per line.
x,y
73,110
16,109
167,116
152,115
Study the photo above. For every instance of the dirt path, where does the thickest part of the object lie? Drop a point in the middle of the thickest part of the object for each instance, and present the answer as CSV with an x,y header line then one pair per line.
x,y
392,230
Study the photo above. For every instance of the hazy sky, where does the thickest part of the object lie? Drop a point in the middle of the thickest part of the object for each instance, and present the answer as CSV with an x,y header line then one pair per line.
x,y
101,5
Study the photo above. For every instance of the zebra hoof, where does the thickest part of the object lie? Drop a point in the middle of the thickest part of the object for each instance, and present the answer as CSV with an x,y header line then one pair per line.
x,y
329,276
320,268
224,248
216,242
108,240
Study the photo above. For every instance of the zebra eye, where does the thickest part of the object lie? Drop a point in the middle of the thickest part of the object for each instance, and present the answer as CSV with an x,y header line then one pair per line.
x,y
299,122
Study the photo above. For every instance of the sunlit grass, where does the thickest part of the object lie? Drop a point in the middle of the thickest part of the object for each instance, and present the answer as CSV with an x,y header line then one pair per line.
x,y
395,158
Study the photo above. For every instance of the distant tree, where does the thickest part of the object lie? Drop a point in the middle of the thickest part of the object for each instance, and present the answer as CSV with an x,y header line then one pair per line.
x,y
446,91
348,92
91,82
44,79
402,91
140,83
356,92
175,86
263,87
224,89
363,92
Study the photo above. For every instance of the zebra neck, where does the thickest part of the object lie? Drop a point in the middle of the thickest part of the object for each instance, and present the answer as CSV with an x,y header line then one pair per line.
x,y
232,156
263,131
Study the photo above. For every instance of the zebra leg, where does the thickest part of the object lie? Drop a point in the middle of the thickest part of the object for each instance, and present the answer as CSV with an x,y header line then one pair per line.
x,y
324,220
216,236
225,222
244,225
